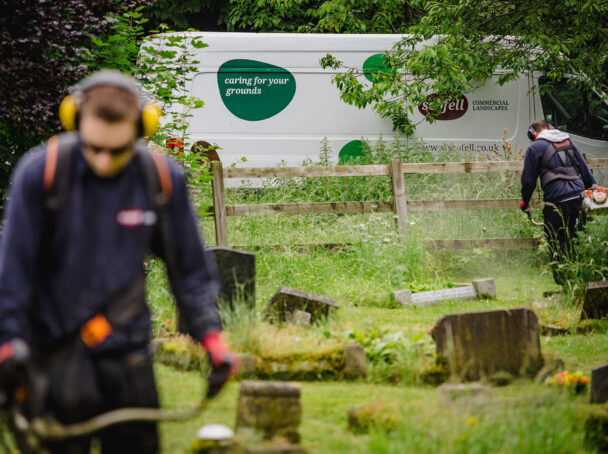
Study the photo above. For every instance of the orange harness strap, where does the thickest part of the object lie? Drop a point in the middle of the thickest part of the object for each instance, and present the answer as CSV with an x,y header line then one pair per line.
x,y
50,165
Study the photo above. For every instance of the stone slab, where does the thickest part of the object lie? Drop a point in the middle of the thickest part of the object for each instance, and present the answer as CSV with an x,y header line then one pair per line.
x,y
299,318
599,384
270,408
476,345
407,298
236,270
355,361
595,304
485,288
287,300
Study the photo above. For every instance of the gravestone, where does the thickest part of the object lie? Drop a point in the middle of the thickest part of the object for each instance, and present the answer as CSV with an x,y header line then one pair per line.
x,y
596,300
236,271
478,289
355,361
485,288
476,345
599,384
299,318
287,300
271,408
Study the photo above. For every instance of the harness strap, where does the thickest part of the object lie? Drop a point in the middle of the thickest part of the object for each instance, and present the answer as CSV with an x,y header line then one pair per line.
x,y
568,169
50,164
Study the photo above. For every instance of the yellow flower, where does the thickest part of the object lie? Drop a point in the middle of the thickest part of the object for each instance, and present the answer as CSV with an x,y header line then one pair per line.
x,y
463,437
472,420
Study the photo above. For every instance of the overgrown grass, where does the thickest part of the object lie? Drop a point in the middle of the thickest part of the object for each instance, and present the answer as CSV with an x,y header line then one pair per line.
x,y
524,417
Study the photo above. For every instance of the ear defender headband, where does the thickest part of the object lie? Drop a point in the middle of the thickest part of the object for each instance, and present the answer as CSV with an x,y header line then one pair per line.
x,y
69,109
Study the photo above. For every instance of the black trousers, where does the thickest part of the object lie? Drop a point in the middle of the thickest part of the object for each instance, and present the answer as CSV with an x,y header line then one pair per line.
x,y
562,223
89,386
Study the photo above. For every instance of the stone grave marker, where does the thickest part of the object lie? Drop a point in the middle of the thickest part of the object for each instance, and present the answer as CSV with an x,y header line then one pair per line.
x,y
355,361
236,271
596,300
287,300
475,345
599,384
271,408
485,288
478,289
299,318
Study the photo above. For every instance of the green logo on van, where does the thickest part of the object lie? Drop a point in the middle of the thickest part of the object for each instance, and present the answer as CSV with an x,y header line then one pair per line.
x,y
253,90
374,64
352,150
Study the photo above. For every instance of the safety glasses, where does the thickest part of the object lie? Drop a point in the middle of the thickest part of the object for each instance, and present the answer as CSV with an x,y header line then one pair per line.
x,y
117,151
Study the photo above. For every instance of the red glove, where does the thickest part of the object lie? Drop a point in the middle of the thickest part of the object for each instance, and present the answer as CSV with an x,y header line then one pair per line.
x,y
523,206
13,356
223,364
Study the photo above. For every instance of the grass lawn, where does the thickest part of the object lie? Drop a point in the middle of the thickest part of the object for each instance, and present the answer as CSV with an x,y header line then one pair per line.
x,y
524,417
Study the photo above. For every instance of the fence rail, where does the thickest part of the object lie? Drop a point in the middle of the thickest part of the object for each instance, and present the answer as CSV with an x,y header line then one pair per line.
x,y
399,204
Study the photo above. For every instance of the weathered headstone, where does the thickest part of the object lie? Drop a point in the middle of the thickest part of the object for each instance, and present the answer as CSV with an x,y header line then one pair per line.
x,y
596,300
271,408
287,300
599,384
485,288
247,363
299,318
236,271
475,345
355,362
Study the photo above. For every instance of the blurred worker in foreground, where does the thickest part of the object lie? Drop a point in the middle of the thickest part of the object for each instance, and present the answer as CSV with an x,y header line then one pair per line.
x,y
564,175
85,211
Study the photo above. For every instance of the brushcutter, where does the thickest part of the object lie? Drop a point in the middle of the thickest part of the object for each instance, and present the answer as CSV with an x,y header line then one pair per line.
x,y
39,429
594,201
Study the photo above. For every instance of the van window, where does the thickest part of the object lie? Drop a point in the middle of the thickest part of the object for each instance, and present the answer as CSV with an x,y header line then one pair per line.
x,y
579,112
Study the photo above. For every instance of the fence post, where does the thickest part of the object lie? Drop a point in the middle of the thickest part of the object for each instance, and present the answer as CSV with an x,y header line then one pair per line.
x,y
398,187
219,203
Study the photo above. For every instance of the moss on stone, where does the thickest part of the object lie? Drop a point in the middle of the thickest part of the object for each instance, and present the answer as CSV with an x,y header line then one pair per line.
x,y
181,352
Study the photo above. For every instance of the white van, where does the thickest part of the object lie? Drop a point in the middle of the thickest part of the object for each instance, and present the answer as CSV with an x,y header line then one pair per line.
x,y
268,100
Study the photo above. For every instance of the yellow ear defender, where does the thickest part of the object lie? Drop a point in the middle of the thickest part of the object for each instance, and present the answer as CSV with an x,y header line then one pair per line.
x,y
150,117
67,113
149,112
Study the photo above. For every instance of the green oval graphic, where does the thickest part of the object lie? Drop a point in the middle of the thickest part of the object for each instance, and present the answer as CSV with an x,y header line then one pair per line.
x,y
352,150
374,64
253,90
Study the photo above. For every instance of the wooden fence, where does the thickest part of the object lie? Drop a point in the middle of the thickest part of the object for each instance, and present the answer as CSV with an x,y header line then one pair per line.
x,y
399,204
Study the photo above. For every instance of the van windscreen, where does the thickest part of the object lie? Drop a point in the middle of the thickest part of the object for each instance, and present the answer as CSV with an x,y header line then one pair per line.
x,y
579,112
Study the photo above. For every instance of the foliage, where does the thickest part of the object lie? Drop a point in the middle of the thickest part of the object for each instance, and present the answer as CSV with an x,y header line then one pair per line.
x,y
183,14
392,355
361,16
321,16
460,44
589,262
268,16
40,47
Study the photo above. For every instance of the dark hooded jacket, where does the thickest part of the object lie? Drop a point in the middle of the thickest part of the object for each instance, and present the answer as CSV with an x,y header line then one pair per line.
x,y
557,190
52,280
